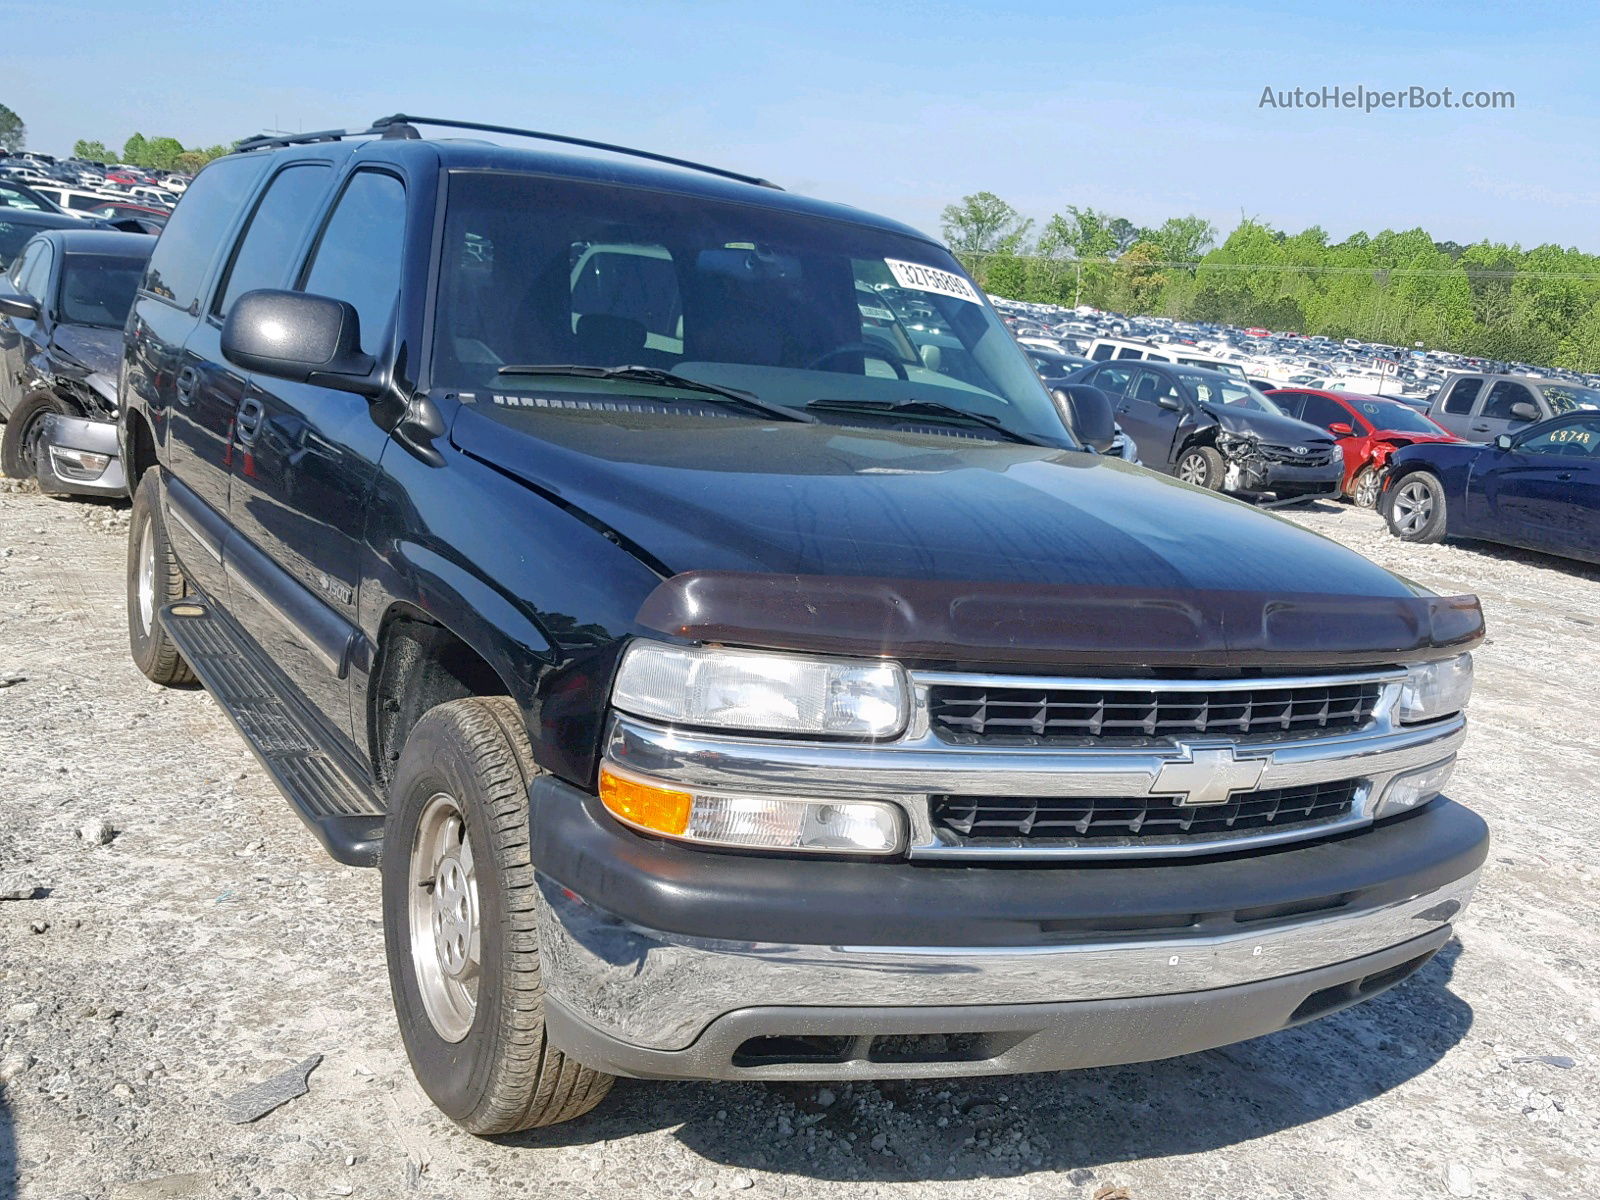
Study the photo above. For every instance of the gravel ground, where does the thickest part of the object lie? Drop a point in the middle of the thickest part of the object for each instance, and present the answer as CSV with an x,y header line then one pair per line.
x,y
185,938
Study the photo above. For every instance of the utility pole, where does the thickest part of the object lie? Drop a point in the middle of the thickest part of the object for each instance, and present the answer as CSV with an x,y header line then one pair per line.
x,y
1077,289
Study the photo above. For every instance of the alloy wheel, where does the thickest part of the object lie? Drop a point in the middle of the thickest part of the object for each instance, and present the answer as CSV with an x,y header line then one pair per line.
x,y
446,942
1413,507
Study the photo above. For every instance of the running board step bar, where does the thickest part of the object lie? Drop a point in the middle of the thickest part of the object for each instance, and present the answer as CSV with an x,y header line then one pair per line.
x,y
345,813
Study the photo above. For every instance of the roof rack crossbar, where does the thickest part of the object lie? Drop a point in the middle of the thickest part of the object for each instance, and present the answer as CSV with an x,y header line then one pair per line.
x,y
383,123
265,140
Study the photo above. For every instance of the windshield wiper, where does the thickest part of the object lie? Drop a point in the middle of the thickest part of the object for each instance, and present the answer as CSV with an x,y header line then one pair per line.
x,y
660,378
927,408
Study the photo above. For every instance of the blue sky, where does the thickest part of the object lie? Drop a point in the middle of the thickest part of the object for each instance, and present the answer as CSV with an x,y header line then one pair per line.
x,y
1148,110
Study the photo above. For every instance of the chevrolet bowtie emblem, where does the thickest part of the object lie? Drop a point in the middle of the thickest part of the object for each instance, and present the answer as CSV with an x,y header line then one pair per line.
x,y
1207,776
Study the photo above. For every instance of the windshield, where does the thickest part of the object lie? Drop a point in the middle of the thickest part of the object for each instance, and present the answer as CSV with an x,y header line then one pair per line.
x,y
1210,364
788,307
97,289
1386,414
1210,388
1565,399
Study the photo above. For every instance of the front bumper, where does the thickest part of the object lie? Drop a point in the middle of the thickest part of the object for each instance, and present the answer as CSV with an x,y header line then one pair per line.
x,y
1286,481
664,961
61,440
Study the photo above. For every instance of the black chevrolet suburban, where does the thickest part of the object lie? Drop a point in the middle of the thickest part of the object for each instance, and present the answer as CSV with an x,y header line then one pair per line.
x,y
723,691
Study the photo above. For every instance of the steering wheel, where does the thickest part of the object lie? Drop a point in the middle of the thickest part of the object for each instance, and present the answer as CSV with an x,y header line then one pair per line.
x,y
864,348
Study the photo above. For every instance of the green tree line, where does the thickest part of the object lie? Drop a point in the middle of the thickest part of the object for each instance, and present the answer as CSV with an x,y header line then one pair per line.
x,y
1488,299
156,154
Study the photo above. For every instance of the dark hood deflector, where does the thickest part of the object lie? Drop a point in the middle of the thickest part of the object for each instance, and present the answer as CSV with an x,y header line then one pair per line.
x,y
1051,627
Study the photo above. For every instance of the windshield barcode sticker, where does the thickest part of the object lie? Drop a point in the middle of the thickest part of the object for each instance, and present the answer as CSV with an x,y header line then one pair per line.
x,y
931,279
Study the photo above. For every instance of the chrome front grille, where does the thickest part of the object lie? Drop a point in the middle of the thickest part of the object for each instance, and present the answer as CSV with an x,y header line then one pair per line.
x,y
1308,456
1102,712
1065,821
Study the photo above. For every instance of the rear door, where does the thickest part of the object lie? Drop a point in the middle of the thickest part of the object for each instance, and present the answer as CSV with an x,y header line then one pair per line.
x,y
173,362
1454,409
1494,415
309,457
1544,492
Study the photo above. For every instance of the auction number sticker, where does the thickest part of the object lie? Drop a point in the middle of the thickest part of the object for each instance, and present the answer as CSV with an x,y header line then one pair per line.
x,y
931,279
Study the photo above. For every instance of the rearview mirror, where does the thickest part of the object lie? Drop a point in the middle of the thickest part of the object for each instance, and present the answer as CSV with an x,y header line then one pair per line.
x,y
19,306
1087,411
1169,401
306,339
1340,429
1523,411
1503,442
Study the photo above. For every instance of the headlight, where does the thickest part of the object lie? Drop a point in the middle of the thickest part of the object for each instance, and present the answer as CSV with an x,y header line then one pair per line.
x,y
752,822
1415,788
761,692
1436,689
78,465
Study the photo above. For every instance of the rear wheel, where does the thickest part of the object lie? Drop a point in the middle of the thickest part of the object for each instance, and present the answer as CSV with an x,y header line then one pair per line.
x,y
154,581
1365,487
1201,466
460,927
19,448
1415,508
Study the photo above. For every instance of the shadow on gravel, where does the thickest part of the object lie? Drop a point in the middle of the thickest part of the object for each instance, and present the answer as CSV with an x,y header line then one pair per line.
x,y
1060,1122
1530,558
8,1151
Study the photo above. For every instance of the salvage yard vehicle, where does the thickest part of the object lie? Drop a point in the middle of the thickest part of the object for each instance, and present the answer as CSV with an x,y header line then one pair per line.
x,y
1369,429
1538,489
1217,432
1479,408
732,700
62,308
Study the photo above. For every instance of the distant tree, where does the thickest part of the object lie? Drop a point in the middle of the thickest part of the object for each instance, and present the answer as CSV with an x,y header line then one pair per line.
x,y
190,161
134,150
161,153
92,151
1079,233
211,152
1182,239
13,132
1124,234
983,224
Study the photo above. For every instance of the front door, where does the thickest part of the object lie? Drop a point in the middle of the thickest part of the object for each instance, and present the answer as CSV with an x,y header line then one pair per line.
x,y
308,458
1544,492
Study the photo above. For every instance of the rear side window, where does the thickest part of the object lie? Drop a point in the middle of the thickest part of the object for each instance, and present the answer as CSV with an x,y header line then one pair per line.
x,y
1113,379
1101,353
1460,399
357,259
189,242
266,251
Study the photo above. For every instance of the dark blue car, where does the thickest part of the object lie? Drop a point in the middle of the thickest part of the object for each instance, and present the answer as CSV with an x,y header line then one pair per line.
x,y
1539,488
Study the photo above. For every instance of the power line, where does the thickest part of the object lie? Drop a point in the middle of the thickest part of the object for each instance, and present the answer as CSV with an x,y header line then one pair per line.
x,y
1291,268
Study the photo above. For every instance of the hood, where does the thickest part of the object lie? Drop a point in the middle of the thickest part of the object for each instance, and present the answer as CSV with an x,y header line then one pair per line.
x,y
1269,427
723,493
91,347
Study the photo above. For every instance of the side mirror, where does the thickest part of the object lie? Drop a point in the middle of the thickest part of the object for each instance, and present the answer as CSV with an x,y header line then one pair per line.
x,y
1503,442
1341,429
1169,401
1523,411
19,306
306,339
1087,411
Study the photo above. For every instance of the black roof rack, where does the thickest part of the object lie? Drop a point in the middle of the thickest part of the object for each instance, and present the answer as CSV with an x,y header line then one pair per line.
x,y
401,125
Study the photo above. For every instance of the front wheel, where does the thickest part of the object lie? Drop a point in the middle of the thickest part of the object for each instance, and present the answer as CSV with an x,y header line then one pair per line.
x,y
1415,508
459,921
1365,489
1201,466
20,446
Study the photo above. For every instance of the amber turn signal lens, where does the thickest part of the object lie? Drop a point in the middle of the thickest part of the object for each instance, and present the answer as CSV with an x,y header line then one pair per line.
x,y
644,804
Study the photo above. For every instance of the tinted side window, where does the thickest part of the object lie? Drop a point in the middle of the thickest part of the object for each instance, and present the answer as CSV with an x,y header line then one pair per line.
x,y
1101,353
1461,396
266,251
1113,379
1130,352
1292,403
1502,396
35,278
20,268
189,242
1322,412
358,256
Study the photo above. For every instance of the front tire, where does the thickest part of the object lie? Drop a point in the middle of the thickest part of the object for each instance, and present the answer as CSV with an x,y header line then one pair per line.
x,y
459,905
1414,507
1201,466
154,581
19,448
1366,487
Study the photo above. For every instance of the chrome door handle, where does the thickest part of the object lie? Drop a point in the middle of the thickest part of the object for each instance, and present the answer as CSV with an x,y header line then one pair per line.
x,y
188,380
248,422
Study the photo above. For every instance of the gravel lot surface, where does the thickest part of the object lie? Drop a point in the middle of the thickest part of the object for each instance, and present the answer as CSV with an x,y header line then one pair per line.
x,y
185,939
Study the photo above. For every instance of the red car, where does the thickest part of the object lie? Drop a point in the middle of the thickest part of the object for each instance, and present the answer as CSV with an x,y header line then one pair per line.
x,y
1257,331
1369,429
